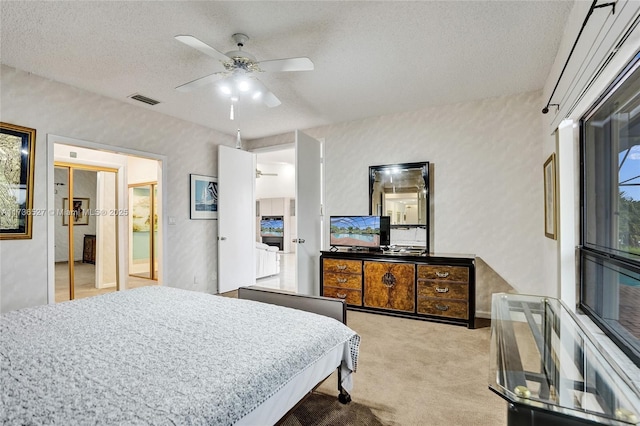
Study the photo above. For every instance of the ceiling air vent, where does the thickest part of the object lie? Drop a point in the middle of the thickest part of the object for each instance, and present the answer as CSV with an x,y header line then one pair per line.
x,y
144,99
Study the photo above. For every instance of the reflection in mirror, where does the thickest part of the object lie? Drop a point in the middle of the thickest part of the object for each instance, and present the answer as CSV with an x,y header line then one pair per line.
x,y
401,191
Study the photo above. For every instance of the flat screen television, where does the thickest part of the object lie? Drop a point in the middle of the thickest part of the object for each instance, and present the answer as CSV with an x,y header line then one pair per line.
x,y
271,227
360,231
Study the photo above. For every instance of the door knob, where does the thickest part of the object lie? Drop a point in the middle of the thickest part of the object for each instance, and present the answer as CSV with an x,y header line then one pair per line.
x,y
222,238
300,240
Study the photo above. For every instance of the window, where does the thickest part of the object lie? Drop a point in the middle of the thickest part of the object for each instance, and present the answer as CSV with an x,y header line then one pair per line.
x,y
610,199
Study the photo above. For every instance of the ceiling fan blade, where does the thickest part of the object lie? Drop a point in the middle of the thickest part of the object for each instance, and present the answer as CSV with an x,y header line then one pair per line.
x,y
191,41
268,98
291,64
202,81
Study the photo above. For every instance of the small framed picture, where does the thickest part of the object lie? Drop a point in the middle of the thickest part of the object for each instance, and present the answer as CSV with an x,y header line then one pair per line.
x,y
204,197
550,201
79,212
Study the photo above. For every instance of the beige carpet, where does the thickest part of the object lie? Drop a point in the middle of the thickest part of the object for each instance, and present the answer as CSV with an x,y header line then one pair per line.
x,y
411,372
325,410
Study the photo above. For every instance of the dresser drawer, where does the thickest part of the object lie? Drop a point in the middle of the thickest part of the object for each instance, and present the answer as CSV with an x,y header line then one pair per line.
x,y
443,307
443,290
443,272
352,297
336,279
344,266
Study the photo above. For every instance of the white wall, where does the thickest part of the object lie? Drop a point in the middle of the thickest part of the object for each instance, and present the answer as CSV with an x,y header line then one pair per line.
x,y
281,186
54,108
487,178
141,170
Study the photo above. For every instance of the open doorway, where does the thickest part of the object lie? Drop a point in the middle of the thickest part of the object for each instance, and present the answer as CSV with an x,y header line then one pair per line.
x,y
91,246
275,218
238,215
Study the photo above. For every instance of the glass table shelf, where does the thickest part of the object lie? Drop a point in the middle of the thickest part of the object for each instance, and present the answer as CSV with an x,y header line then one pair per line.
x,y
551,371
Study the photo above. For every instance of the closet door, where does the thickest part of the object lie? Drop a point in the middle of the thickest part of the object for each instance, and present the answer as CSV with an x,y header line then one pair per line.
x,y
85,231
143,230
106,224
61,235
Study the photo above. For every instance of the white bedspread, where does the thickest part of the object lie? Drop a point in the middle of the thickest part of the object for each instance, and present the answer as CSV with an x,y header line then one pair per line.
x,y
156,355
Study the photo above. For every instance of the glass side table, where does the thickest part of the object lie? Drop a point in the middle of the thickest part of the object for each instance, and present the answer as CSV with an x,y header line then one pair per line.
x,y
549,369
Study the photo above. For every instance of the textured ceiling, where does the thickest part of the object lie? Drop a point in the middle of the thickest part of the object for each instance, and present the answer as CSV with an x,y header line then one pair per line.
x,y
371,58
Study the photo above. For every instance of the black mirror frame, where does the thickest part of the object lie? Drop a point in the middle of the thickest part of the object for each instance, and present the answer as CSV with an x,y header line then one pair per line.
x,y
424,166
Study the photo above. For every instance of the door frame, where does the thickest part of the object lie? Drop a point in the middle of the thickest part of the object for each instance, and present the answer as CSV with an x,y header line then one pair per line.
x,y
292,145
122,200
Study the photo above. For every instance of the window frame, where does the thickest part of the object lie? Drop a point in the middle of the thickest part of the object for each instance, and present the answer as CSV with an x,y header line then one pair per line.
x,y
609,258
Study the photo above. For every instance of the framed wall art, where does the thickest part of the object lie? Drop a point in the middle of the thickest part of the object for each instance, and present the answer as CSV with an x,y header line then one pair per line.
x,y
204,197
550,199
17,150
79,212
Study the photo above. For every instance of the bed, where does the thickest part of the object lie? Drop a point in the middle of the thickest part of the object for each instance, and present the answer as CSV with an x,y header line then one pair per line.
x,y
160,355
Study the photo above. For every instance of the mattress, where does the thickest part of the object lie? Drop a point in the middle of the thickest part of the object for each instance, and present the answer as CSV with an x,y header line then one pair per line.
x,y
160,355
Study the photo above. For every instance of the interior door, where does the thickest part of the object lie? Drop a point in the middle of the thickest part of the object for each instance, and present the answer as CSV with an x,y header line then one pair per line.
x,y
236,219
308,213
86,241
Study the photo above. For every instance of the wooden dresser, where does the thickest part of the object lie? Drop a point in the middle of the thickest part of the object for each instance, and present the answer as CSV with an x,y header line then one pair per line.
x,y
89,249
427,287
343,280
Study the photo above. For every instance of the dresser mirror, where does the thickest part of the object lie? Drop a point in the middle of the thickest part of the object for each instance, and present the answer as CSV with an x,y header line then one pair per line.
x,y
401,191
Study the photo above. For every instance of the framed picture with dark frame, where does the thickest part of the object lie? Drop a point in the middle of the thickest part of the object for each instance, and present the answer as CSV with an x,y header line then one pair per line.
x,y
79,211
204,197
17,150
550,199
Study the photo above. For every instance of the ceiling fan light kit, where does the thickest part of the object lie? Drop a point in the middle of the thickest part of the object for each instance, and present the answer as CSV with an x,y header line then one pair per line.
x,y
239,68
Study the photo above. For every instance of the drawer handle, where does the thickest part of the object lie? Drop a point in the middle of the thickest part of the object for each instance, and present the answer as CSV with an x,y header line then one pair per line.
x,y
341,280
341,267
341,295
442,290
442,274
442,307
388,279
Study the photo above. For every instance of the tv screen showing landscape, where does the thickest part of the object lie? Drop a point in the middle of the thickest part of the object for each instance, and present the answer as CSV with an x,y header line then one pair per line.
x,y
355,231
272,228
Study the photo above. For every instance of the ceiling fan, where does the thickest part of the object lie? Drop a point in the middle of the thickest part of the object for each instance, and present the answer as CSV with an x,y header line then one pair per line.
x,y
238,69
260,173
